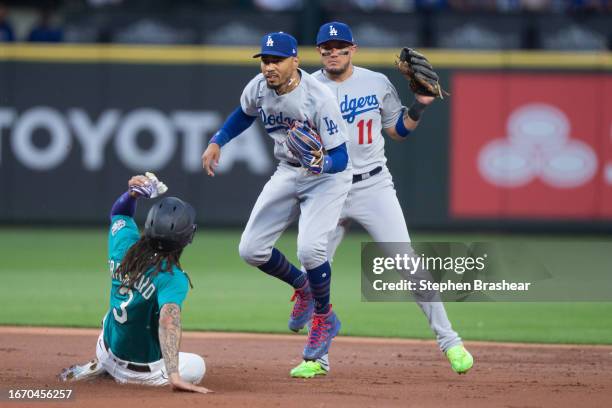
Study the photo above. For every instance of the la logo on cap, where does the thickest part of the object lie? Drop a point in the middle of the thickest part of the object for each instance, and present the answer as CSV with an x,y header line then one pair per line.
x,y
332,30
270,42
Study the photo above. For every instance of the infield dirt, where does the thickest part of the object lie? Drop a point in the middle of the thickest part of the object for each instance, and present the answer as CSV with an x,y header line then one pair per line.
x,y
253,370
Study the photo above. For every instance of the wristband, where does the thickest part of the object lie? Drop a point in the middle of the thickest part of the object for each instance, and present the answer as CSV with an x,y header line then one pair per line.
x,y
400,126
328,163
416,109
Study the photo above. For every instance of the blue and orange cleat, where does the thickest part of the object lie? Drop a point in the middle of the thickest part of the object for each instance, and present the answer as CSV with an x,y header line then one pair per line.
x,y
302,309
324,328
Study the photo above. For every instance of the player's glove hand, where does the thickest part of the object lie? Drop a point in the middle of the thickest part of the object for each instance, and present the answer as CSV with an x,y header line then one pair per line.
x,y
151,186
420,74
306,146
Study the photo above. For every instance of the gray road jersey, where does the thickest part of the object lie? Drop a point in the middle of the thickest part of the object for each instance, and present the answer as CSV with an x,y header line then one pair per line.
x,y
310,102
369,103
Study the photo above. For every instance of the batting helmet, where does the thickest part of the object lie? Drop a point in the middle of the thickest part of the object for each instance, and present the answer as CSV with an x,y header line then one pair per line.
x,y
170,224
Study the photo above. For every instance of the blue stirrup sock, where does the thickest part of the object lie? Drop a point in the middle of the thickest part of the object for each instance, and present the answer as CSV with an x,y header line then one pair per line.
x,y
279,267
320,280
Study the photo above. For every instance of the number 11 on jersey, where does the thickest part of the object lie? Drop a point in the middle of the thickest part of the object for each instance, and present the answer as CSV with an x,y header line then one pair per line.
x,y
361,126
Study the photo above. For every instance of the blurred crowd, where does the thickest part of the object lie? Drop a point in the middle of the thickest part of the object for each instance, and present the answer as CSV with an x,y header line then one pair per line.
x,y
43,29
502,6
398,5
238,22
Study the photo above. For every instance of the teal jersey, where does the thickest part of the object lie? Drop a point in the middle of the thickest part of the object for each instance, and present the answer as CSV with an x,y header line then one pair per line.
x,y
131,325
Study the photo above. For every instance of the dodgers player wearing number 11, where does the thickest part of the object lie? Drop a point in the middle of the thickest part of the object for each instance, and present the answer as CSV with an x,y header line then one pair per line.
x,y
370,103
307,190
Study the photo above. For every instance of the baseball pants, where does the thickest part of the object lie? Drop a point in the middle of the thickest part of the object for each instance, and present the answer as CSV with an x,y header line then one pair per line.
x,y
290,193
374,205
191,368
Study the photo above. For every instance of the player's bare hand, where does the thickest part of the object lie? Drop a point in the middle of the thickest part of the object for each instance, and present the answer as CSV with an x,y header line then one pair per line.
x,y
424,99
210,158
179,385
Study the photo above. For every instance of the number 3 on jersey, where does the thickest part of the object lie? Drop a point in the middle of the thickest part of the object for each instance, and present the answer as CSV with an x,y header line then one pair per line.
x,y
361,125
121,317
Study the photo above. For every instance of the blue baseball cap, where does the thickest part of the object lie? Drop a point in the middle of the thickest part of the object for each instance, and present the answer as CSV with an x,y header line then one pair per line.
x,y
279,44
335,31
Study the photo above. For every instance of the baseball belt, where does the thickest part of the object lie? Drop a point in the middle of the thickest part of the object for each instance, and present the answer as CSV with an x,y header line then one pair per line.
x,y
292,164
141,368
356,177
364,176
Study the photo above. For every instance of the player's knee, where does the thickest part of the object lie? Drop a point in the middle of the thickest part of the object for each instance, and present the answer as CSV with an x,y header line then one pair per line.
x,y
252,253
312,255
193,369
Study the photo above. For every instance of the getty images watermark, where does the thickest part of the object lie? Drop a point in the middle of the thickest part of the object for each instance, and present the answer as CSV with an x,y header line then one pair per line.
x,y
507,271
410,264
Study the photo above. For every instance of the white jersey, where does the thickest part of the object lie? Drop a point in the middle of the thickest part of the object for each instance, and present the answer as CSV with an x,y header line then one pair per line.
x,y
369,103
311,102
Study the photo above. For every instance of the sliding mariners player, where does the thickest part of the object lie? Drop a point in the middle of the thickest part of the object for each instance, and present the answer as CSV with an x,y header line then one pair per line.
x,y
370,103
141,333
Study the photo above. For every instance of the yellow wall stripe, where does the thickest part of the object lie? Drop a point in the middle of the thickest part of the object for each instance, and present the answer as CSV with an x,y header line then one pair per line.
x,y
383,57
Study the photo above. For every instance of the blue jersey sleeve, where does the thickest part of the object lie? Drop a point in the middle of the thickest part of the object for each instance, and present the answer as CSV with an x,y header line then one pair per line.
x,y
123,233
236,123
172,287
336,160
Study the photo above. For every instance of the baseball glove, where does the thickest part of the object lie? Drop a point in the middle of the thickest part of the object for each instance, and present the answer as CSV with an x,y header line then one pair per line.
x,y
419,72
306,146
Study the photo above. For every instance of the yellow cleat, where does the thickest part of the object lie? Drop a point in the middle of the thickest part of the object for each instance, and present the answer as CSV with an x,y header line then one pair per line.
x,y
308,369
460,359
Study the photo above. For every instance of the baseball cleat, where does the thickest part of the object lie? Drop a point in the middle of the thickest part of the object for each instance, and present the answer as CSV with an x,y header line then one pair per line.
x,y
323,329
460,359
309,369
88,371
324,362
302,309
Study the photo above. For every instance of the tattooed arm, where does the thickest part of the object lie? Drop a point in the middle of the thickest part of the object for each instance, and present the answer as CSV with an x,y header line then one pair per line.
x,y
169,341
